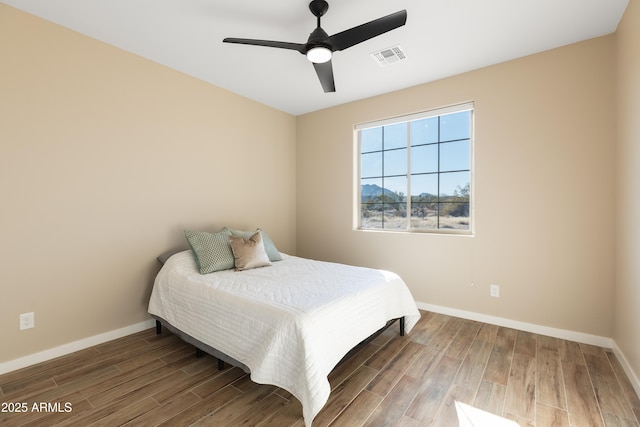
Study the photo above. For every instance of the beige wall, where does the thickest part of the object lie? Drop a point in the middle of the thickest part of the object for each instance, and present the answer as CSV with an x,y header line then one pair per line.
x,y
544,185
627,292
104,158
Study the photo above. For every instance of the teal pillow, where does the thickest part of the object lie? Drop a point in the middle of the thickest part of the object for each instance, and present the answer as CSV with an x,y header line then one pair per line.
x,y
269,246
212,251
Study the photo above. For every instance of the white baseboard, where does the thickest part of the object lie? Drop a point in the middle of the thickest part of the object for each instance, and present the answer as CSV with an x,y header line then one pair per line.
x,y
522,326
43,356
633,378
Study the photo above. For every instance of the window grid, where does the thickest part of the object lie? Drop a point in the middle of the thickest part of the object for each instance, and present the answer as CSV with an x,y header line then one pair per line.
x,y
460,199
383,176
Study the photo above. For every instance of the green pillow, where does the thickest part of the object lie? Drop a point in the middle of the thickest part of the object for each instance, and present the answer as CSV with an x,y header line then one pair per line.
x,y
212,251
269,246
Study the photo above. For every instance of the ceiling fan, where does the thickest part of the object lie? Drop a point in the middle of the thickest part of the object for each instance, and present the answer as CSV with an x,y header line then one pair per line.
x,y
320,46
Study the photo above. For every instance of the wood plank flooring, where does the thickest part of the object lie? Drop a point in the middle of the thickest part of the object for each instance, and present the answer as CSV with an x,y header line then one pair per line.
x,y
156,380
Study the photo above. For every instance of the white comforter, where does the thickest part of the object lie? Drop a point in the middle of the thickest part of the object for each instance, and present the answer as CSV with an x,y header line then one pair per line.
x,y
289,323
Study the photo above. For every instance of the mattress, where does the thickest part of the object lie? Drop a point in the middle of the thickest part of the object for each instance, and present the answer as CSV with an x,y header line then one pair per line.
x,y
290,323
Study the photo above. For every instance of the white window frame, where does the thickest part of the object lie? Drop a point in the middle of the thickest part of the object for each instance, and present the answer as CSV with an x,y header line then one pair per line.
x,y
468,106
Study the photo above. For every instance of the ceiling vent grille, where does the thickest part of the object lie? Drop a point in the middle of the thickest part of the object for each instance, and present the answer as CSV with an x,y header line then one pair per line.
x,y
389,55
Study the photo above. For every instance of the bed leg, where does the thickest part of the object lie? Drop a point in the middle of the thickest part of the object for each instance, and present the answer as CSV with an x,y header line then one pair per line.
x,y
199,353
158,327
402,326
220,365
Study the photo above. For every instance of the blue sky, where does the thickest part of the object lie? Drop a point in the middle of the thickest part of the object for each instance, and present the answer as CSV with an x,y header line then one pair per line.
x,y
453,156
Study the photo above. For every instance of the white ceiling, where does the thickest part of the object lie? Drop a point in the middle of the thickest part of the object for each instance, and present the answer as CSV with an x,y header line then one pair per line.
x,y
441,38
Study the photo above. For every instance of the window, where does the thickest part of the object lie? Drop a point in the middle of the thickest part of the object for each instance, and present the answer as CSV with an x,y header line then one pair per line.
x,y
426,156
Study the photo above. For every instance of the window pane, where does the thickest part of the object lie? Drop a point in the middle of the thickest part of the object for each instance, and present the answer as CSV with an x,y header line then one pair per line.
x,y
395,136
395,203
395,162
370,217
371,139
395,219
454,184
424,215
384,208
370,189
454,215
454,156
455,126
424,131
424,188
371,165
424,159
396,188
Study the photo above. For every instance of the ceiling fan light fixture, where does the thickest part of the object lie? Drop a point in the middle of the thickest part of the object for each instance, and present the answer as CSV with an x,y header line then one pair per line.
x,y
319,54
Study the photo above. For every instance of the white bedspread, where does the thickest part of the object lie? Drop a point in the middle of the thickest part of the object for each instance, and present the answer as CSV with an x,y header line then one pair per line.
x,y
290,323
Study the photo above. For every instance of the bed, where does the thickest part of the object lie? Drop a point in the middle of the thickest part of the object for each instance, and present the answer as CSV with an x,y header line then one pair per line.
x,y
287,324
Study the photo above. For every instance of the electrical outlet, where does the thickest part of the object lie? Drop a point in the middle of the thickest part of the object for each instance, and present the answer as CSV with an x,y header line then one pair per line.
x,y
27,321
494,291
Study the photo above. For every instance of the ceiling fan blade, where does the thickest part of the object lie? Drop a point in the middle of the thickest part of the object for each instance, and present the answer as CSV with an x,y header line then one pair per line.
x,y
325,74
355,35
268,43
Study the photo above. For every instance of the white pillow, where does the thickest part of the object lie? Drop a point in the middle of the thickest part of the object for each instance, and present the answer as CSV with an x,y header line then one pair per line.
x,y
249,253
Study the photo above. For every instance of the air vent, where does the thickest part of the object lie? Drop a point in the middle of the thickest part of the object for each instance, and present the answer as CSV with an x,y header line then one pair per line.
x,y
389,55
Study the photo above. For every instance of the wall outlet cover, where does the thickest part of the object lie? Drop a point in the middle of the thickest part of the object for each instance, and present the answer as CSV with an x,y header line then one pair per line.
x,y
27,321
494,291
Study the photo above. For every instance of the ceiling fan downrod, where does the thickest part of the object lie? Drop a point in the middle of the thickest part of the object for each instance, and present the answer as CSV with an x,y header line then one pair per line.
x,y
318,8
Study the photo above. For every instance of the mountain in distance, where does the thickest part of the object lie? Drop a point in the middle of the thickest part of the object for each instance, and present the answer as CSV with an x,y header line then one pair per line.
x,y
370,191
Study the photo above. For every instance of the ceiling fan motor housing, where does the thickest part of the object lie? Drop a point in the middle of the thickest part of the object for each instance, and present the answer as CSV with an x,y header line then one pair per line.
x,y
318,37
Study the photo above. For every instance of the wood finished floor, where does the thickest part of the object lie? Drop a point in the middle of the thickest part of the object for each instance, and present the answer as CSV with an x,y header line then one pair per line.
x,y
147,380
